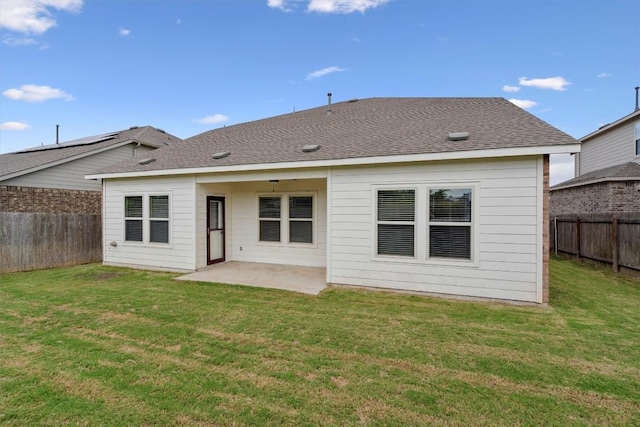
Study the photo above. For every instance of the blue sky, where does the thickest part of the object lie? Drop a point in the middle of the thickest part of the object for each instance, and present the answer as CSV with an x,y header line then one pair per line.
x,y
96,66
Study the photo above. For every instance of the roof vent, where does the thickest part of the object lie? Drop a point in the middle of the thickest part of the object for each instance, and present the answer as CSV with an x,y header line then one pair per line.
x,y
221,155
133,127
310,148
146,161
458,136
353,100
161,130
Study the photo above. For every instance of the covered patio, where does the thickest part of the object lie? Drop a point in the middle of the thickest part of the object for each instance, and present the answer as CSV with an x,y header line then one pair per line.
x,y
307,280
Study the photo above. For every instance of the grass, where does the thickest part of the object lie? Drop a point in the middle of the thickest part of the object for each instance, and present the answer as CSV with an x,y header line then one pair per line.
x,y
94,345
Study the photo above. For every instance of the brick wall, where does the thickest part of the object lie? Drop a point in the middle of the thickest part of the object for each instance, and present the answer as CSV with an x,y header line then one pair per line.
x,y
49,200
601,198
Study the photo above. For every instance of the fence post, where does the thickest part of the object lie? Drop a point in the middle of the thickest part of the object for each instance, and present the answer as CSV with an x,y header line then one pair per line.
x,y
578,237
614,242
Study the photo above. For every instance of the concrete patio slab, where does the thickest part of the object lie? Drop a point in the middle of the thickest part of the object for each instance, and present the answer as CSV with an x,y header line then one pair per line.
x,y
308,280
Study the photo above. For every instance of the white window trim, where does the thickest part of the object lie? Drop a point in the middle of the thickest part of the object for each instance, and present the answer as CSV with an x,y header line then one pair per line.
x,y
421,239
414,223
146,220
129,218
284,219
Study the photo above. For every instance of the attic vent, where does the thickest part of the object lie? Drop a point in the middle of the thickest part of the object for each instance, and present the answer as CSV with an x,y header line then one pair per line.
x,y
133,127
310,148
146,161
458,136
221,155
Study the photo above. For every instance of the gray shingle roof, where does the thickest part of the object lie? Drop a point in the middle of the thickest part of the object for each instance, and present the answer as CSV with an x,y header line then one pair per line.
x,y
364,128
19,161
625,170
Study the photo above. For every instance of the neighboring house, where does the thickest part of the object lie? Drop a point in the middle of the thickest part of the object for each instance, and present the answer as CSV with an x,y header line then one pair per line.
x,y
438,195
607,172
49,180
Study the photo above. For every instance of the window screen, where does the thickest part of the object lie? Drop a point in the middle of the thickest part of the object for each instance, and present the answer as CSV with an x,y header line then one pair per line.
x,y
270,213
450,223
133,218
396,222
301,219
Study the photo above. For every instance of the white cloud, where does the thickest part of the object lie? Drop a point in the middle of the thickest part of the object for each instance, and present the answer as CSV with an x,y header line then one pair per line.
x,y
216,118
33,16
14,126
525,104
276,4
508,88
343,6
124,32
603,74
34,93
555,83
19,41
324,72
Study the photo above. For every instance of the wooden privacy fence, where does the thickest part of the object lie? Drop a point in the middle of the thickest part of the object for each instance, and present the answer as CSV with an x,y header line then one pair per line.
x,y
610,239
31,241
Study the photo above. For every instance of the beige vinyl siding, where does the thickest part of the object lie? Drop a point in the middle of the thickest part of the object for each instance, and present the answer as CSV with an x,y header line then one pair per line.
x,y
246,246
219,190
507,229
611,148
179,254
70,175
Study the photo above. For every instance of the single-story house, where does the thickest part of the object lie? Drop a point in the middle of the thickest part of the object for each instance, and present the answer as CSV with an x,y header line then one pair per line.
x,y
436,195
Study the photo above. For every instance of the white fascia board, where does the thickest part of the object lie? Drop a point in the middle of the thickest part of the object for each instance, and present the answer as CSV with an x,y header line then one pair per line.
x,y
65,160
594,181
357,161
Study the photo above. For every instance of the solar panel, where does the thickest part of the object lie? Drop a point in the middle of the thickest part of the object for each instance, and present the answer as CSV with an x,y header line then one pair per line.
x,y
81,141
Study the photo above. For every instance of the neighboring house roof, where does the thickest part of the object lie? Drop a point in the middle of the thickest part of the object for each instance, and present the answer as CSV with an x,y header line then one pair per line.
x,y
37,158
625,172
610,126
358,129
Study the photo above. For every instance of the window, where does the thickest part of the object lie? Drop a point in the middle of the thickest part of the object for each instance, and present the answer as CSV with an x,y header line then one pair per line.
x,y
396,222
159,219
146,218
269,213
450,223
301,219
133,218
286,218
638,139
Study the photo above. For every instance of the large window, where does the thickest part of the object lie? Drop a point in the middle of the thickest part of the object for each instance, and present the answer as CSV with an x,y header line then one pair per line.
x,y
450,223
159,219
426,222
270,213
396,222
133,218
286,218
301,219
146,218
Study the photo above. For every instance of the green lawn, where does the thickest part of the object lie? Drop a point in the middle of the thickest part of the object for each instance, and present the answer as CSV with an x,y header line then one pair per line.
x,y
93,345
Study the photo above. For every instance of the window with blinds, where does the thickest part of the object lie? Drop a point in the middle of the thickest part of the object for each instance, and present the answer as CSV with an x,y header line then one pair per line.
x,y
301,219
396,222
269,218
450,220
133,218
159,219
